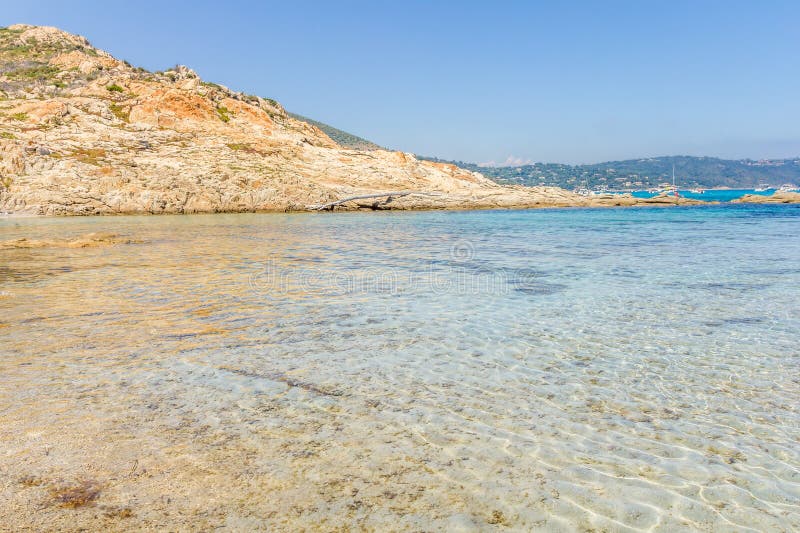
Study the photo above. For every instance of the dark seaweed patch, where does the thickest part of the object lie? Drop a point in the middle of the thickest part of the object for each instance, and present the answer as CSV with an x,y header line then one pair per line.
x,y
72,496
744,320
539,287
283,378
725,286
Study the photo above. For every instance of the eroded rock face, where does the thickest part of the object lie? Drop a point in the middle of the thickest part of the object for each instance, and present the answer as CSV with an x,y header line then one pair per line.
x,y
83,133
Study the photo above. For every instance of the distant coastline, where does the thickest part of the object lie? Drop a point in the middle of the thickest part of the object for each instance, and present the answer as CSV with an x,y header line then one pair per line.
x,y
646,173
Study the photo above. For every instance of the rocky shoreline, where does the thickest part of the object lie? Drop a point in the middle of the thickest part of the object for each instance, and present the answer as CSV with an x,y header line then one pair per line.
x,y
775,198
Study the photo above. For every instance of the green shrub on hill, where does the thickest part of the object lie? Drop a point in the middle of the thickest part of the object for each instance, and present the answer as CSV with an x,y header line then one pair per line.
x,y
33,73
224,113
342,138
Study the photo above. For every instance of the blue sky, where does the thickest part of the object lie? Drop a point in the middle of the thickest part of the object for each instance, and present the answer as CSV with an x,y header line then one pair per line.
x,y
486,81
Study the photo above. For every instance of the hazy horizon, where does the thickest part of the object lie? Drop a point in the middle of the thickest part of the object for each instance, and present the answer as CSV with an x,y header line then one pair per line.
x,y
577,83
508,163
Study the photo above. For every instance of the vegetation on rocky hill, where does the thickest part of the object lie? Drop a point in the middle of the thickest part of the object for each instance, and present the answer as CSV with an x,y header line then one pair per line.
x,y
348,140
690,172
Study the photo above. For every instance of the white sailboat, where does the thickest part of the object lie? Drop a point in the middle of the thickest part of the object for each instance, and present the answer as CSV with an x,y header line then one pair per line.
x,y
674,187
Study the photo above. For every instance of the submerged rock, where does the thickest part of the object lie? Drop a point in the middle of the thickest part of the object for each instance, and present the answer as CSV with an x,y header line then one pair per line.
x,y
90,240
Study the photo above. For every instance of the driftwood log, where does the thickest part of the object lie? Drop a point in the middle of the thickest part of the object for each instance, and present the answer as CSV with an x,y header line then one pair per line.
x,y
388,195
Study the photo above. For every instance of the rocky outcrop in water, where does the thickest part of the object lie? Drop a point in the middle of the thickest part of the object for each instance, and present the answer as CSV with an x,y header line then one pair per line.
x,y
775,198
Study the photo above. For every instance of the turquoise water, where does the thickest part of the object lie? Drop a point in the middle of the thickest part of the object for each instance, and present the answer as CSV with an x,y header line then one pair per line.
x,y
711,195
617,369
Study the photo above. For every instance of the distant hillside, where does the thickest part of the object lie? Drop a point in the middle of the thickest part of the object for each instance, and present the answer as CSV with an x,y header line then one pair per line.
x,y
706,172
342,138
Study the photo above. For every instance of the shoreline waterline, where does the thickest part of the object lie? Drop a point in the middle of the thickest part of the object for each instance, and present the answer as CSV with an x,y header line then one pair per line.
x,y
595,201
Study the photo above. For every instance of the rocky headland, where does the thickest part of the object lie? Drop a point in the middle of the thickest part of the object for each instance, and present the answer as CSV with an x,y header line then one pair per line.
x,y
83,133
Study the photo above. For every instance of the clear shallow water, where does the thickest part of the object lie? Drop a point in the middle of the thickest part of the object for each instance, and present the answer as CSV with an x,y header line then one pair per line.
x,y
620,369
